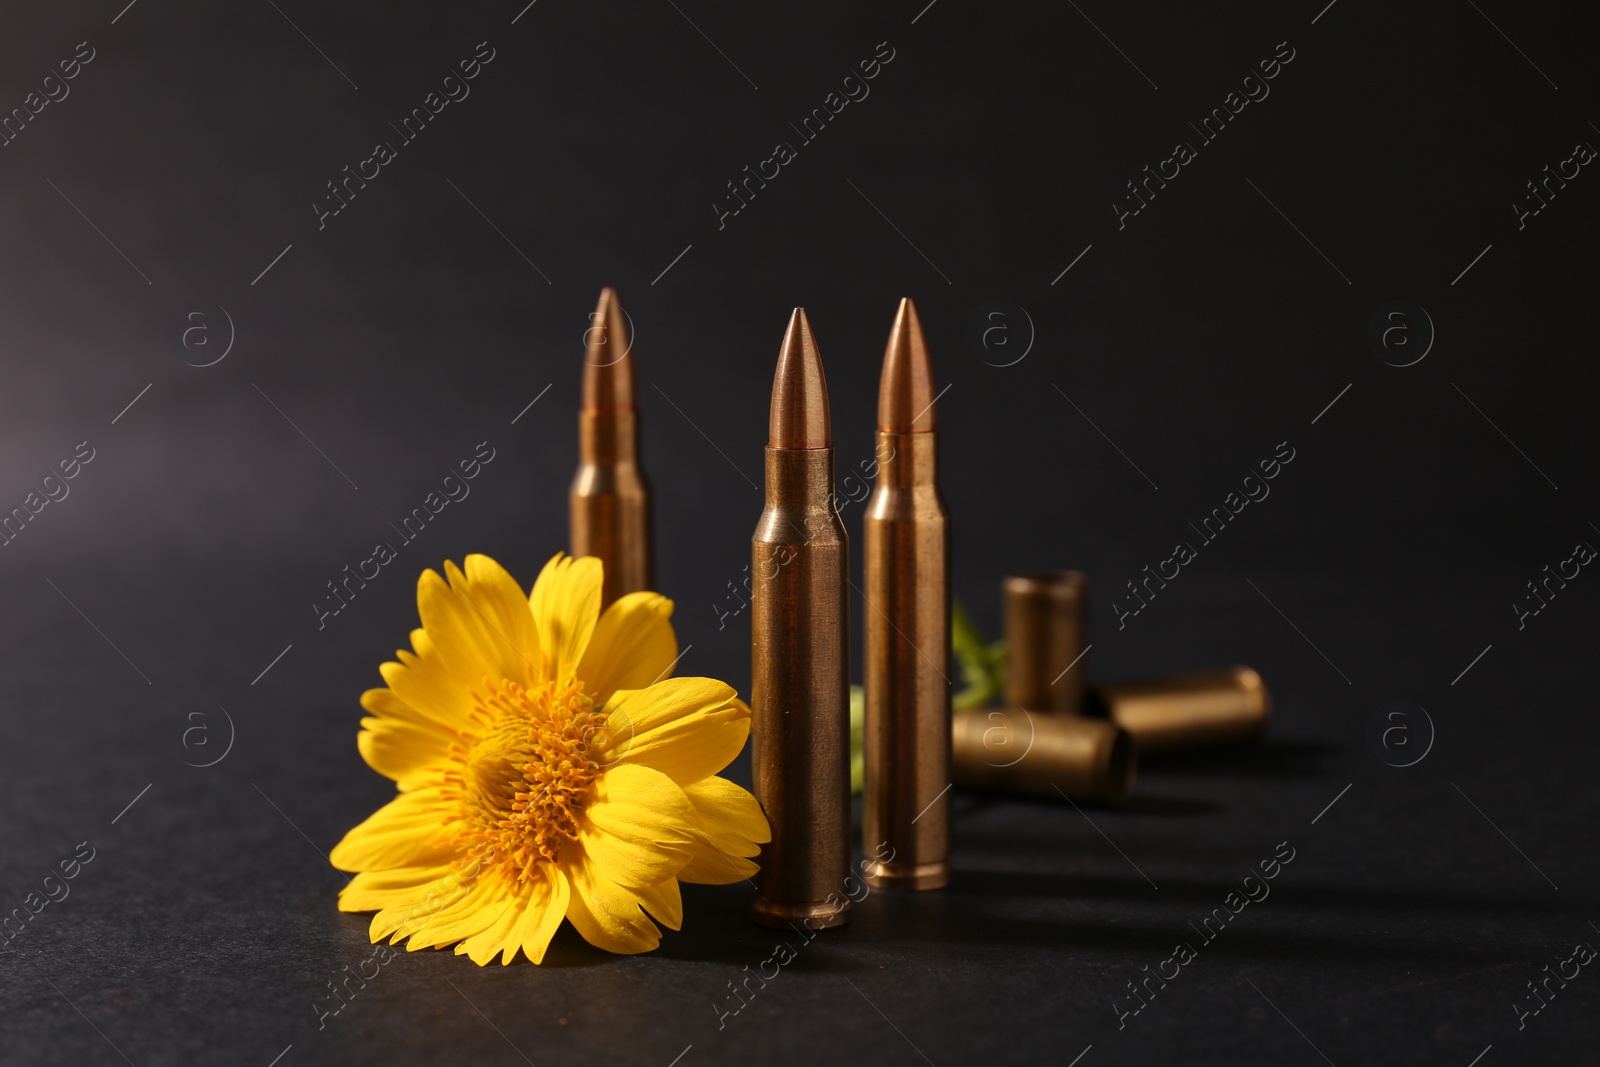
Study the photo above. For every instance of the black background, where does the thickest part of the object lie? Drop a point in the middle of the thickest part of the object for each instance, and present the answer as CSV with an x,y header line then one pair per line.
x,y
1197,338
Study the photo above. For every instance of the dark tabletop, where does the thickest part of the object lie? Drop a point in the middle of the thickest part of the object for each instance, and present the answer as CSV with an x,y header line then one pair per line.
x,y
1347,262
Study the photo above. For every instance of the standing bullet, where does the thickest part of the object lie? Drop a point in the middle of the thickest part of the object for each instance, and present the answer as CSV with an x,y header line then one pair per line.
x,y
800,664
905,812
610,499
1045,616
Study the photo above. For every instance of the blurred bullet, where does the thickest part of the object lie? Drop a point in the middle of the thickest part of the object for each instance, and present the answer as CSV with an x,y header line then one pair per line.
x,y
1044,628
1054,757
800,664
907,547
609,503
1187,711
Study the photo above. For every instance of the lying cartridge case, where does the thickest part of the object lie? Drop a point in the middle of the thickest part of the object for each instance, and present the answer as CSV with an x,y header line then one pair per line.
x,y
1044,628
1187,711
800,665
609,503
1055,757
907,620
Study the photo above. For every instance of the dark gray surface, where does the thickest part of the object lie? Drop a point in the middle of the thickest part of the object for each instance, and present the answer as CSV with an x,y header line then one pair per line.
x,y
191,548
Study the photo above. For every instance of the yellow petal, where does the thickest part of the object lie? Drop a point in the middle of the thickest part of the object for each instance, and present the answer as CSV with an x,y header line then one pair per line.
x,y
476,627
606,914
566,605
481,947
633,646
422,683
541,915
636,828
402,750
729,814
409,912
375,890
707,866
687,728
397,834
479,909
730,829
665,903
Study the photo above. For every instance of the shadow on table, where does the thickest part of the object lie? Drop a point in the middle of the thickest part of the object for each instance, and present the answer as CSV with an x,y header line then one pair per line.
x,y
1270,759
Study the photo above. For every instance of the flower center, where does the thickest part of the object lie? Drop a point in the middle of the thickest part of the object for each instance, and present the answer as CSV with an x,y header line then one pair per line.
x,y
524,776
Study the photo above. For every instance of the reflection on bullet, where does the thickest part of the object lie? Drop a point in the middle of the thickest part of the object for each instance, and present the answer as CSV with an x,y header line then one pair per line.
x,y
1044,627
609,503
800,666
907,547
1187,711
1010,750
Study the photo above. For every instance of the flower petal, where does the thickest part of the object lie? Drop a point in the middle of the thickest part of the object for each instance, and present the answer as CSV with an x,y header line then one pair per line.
x,y
665,903
636,829
410,912
481,947
707,866
477,910
422,683
477,627
606,914
730,830
566,606
399,834
541,916
402,750
376,890
633,646
687,728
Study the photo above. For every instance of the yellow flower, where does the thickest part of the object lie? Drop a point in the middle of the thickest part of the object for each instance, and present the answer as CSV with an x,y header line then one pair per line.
x,y
544,771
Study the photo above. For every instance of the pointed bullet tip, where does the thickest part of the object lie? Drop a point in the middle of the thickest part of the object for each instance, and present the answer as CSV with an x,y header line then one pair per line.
x,y
607,364
800,417
905,391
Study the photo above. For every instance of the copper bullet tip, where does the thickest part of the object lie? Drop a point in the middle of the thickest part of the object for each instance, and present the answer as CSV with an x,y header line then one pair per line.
x,y
800,416
607,364
905,392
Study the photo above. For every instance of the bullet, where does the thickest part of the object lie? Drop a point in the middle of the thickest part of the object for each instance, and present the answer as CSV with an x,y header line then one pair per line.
x,y
1044,628
609,504
1187,711
1054,757
907,548
800,662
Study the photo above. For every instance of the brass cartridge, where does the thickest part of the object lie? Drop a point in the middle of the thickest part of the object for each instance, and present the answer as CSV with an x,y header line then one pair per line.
x,y
1044,629
609,503
1187,711
800,663
1054,757
907,620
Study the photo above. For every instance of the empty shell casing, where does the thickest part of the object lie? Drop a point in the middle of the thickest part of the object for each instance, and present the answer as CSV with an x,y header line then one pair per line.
x,y
609,503
905,814
1012,750
800,688
1187,711
1044,628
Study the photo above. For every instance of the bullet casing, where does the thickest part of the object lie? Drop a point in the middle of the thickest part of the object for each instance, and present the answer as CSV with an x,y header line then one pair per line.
x,y
1187,711
1044,629
907,620
609,503
1011,750
799,692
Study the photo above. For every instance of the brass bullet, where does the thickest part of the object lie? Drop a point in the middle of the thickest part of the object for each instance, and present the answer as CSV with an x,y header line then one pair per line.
x,y
1055,757
609,503
799,654
1187,711
1044,628
907,546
